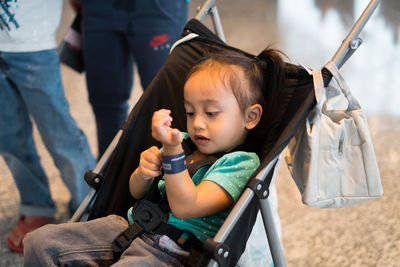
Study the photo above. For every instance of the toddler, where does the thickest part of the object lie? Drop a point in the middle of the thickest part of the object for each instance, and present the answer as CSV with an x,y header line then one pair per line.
x,y
224,98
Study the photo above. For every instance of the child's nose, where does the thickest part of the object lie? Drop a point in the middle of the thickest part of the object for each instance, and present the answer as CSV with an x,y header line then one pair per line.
x,y
198,122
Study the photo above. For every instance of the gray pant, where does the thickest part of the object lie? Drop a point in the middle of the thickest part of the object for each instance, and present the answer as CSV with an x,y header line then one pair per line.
x,y
89,244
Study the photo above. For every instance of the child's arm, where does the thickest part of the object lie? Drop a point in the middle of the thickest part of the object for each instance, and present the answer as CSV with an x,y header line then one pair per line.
x,y
149,167
185,199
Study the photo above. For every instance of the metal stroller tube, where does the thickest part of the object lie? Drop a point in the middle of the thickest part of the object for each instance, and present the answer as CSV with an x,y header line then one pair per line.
x,y
208,8
105,158
204,10
269,224
352,42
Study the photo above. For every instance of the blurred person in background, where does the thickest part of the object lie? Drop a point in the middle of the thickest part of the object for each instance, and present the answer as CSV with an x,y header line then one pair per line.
x,y
116,35
31,89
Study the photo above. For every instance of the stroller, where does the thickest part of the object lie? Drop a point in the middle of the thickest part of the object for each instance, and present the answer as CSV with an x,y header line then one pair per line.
x,y
110,177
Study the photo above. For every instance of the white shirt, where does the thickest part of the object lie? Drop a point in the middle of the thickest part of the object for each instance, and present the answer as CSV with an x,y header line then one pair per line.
x,y
37,22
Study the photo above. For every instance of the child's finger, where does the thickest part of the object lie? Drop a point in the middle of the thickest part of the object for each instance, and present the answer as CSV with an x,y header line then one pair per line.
x,y
147,174
176,137
161,121
156,152
163,111
151,157
162,115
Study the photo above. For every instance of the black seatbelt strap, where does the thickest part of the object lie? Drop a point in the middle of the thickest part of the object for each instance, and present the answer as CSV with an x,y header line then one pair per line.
x,y
146,216
122,242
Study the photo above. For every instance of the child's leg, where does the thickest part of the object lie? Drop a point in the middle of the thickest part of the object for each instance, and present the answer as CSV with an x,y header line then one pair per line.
x,y
142,253
74,244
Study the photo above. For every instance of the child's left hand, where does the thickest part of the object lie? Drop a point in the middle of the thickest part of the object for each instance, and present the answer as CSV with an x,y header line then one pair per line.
x,y
162,131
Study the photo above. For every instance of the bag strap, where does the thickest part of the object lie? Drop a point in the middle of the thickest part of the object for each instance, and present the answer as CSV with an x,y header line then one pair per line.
x,y
333,69
319,88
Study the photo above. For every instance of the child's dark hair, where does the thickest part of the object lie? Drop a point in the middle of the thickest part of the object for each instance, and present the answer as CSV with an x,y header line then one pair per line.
x,y
261,76
273,68
236,72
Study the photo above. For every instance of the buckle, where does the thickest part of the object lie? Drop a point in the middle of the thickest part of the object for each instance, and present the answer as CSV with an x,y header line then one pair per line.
x,y
148,215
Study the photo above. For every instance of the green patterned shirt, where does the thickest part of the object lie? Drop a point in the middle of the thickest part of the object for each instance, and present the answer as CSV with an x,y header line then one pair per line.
x,y
231,172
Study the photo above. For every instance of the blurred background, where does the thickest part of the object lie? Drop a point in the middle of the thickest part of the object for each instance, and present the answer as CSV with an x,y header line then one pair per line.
x,y
308,32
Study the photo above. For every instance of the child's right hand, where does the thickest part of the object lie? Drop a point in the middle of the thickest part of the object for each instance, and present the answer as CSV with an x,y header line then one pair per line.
x,y
162,131
150,163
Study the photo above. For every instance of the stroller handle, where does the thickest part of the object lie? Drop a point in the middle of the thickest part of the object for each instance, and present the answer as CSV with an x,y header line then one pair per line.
x,y
352,42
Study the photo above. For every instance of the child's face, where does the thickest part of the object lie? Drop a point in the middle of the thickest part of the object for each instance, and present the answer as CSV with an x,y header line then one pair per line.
x,y
215,122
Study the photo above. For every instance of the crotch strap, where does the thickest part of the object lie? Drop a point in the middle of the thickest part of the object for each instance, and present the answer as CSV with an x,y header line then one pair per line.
x,y
146,216
149,218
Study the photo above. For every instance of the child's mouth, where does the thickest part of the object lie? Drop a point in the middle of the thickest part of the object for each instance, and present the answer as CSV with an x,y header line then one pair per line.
x,y
201,139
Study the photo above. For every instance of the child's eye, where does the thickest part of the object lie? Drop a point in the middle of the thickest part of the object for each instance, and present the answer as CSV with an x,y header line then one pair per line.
x,y
212,114
189,114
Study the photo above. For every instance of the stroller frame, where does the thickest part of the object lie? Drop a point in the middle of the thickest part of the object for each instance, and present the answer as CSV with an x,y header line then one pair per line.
x,y
258,188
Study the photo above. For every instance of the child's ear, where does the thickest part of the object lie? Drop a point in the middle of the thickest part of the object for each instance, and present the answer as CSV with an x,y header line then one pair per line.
x,y
253,116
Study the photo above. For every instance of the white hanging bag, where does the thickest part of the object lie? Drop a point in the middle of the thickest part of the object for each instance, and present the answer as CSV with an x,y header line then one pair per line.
x,y
331,158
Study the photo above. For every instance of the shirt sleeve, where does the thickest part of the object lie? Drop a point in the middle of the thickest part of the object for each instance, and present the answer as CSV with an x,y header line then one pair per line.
x,y
233,171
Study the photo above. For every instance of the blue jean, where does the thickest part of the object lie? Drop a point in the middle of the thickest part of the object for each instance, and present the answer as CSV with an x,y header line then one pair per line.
x,y
31,87
90,244
116,35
